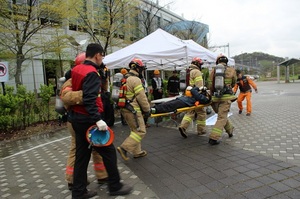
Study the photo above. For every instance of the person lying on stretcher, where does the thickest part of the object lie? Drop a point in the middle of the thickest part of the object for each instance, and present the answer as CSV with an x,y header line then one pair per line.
x,y
193,97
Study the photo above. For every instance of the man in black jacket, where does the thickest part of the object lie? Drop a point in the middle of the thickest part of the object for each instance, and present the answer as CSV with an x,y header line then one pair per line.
x,y
173,86
85,77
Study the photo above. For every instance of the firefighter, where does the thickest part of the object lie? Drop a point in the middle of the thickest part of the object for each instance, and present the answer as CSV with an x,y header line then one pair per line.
x,y
221,82
157,85
69,98
136,105
194,80
244,83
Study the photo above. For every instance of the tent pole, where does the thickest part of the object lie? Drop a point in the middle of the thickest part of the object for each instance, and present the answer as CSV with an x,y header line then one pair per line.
x,y
186,55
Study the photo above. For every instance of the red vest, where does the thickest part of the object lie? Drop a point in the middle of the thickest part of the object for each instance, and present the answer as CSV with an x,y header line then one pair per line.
x,y
79,72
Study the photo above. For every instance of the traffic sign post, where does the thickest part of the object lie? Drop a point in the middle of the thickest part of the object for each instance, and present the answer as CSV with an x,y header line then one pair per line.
x,y
4,75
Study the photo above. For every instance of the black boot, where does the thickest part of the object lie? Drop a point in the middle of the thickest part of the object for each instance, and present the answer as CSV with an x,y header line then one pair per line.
x,y
213,142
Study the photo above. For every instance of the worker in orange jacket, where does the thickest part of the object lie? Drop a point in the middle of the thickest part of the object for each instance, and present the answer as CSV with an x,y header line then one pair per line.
x,y
245,84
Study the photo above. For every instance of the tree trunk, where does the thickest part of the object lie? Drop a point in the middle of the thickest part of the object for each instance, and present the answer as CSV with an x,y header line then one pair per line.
x,y
20,60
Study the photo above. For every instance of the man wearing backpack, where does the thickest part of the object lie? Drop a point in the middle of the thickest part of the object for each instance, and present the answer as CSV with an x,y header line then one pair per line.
x,y
195,79
136,104
222,80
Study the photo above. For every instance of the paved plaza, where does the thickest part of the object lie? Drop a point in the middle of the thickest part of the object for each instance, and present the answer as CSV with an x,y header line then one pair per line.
x,y
261,160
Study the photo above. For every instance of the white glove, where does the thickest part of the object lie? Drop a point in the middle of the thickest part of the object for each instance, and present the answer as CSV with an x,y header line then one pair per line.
x,y
102,126
202,88
189,88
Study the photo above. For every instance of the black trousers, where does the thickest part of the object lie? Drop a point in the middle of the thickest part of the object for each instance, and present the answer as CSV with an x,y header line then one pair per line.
x,y
82,158
169,106
157,95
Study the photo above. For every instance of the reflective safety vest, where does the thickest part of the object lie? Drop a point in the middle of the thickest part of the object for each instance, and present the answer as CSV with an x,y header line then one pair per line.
x,y
79,72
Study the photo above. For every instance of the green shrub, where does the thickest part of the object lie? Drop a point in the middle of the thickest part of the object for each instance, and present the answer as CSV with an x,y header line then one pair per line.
x,y
22,108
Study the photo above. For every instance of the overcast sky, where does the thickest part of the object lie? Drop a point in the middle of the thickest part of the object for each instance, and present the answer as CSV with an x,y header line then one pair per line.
x,y
268,26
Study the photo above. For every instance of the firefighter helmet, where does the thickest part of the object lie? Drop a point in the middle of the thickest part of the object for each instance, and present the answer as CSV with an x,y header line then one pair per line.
x,y
79,59
156,72
99,138
221,59
136,63
197,61
124,71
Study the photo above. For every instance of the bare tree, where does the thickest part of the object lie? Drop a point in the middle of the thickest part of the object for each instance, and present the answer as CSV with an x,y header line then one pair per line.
x,y
21,21
149,18
108,21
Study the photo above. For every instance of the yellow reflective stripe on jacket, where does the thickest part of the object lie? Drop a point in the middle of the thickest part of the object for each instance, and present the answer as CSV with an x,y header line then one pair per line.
x,y
223,98
129,95
138,88
135,136
137,109
199,78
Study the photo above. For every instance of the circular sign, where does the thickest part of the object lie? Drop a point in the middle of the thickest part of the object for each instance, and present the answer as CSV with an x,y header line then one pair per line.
x,y
3,70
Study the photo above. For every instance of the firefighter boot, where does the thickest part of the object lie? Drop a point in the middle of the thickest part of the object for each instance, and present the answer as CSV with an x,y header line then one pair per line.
x,y
123,153
141,154
213,142
230,133
182,132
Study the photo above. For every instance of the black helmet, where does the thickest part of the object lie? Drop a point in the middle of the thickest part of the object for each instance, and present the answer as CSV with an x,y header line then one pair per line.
x,y
222,59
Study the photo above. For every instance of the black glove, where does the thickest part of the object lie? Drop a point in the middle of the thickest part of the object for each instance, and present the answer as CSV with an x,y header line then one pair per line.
x,y
147,114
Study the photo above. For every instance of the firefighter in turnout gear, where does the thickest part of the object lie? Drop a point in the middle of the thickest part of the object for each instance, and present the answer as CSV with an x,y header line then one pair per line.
x,y
221,82
194,80
244,83
136,105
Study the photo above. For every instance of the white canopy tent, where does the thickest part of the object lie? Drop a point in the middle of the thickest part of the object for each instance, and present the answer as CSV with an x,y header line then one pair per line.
x,y
161,50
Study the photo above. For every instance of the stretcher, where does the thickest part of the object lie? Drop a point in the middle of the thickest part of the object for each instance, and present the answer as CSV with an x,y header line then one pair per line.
x,y
158,116
180,110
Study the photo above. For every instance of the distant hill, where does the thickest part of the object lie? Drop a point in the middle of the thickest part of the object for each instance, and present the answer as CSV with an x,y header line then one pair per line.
x,y
262,64
257,58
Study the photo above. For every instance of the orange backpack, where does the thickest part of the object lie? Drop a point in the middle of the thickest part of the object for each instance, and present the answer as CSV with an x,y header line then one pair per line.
x,y
122,93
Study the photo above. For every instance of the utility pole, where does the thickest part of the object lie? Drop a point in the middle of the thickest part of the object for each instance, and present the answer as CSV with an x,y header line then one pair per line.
x,y
222,46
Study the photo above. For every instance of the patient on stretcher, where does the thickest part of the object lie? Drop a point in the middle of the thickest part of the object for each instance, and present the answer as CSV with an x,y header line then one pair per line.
x,y
193,97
